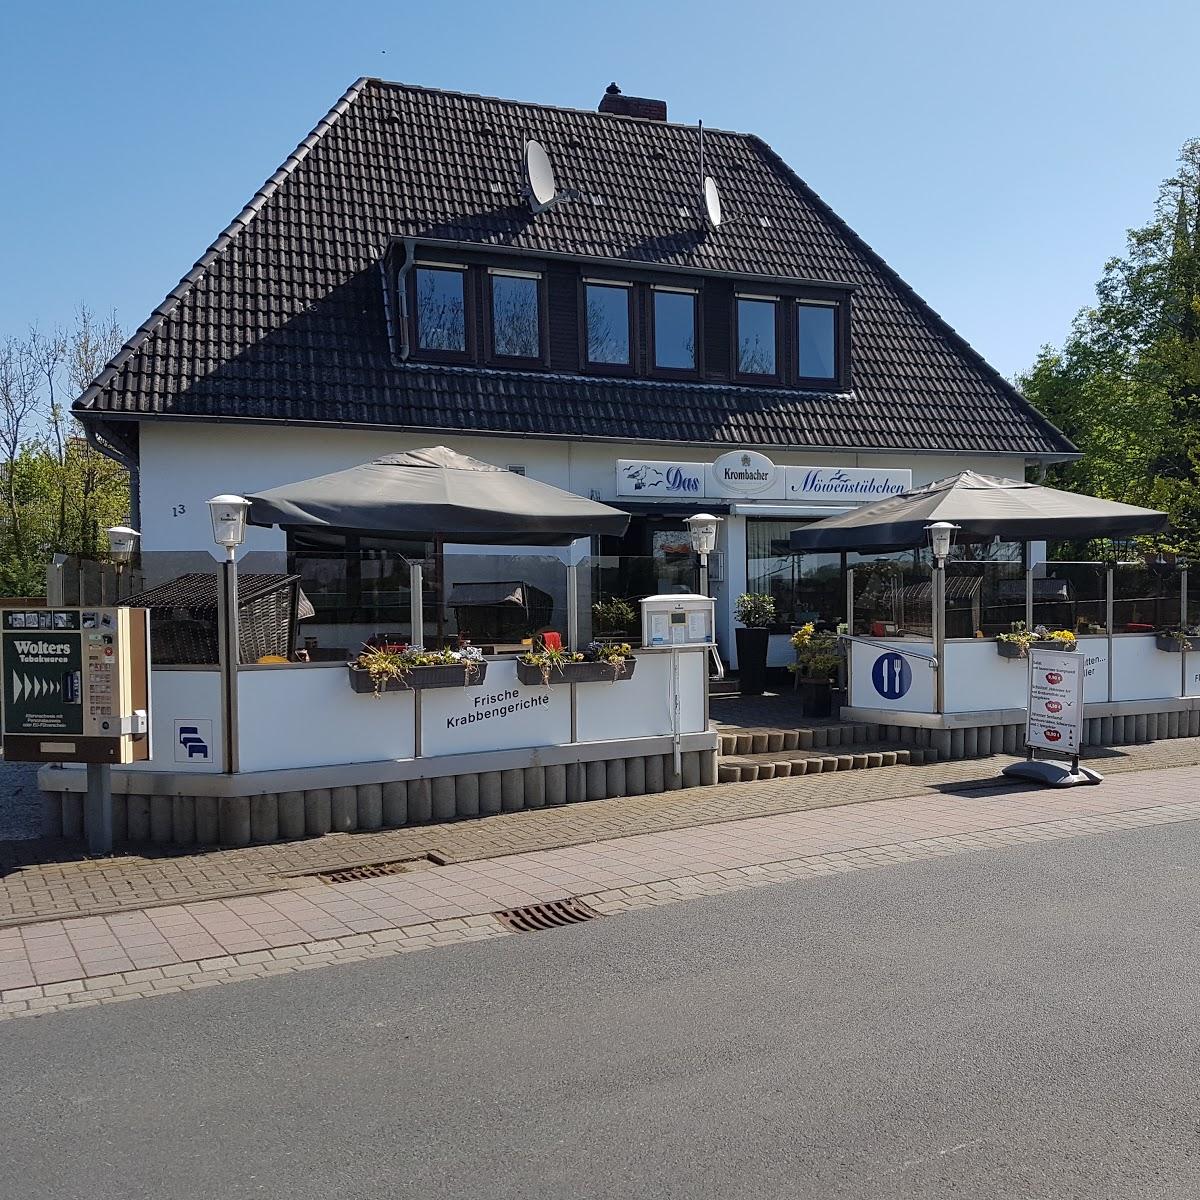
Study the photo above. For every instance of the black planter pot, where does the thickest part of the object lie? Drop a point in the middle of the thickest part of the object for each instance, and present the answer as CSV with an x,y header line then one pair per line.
x,y
816,697
419,678
752,660
577,672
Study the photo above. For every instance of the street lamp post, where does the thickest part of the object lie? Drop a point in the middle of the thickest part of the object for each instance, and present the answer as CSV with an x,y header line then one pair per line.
x,y
228,515
940,535
122,542
703,530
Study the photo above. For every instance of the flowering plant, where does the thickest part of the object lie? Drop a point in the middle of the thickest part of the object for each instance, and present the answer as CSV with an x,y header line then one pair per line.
x,y
1023,638
394,660
817,654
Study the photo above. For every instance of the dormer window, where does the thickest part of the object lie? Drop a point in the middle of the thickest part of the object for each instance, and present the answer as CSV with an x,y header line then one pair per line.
x,y
756,335
516,314
440,306
674,329
816,341
607,323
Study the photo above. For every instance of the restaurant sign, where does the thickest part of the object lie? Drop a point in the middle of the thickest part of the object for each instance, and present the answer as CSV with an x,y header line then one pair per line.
x,y
1055,701
749,474
856,484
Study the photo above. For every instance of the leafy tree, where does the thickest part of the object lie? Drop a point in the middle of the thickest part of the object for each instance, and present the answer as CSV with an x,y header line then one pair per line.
x,y
57,494
1125,385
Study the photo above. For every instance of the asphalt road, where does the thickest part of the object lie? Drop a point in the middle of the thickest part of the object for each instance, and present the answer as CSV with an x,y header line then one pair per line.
x,y
1023,1023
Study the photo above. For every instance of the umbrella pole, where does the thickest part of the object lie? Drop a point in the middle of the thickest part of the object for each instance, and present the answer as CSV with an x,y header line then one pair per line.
x,y
439,565
416,606
572,605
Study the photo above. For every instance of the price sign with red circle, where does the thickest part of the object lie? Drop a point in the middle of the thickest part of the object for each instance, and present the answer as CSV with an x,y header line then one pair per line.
x,y
1055,701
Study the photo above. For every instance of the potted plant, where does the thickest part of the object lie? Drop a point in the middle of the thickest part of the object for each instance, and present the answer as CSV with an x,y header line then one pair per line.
x,y
1177,641
396,667
601,662
1019,640
615,617
755,613
818,659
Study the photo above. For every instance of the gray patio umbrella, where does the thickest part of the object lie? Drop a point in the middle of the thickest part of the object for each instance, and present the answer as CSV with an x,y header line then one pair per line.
x,y
436,492
983,507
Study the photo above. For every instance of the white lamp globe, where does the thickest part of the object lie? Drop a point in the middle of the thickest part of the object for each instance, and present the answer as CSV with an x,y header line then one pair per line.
x,y
703,530
229,520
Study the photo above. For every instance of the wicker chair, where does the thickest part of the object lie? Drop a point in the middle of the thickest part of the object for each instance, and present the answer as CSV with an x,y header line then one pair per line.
x,y
183,617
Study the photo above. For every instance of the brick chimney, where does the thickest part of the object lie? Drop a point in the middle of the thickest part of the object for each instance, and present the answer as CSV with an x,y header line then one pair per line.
x,y
614,101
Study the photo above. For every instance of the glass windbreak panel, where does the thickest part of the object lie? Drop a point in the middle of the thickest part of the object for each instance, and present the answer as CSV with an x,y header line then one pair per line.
x,y
675,330
773,570
893,594
441,310
630,577
816,339
1146,597
497,600
1193,597
358,589
1070,595
756,336
983,597
516,323
607,324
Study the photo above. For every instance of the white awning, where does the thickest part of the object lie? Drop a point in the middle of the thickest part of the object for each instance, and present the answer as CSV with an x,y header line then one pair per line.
x,y
787,510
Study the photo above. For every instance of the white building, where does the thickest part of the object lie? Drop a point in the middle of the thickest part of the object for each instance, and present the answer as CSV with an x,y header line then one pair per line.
x,y
394,285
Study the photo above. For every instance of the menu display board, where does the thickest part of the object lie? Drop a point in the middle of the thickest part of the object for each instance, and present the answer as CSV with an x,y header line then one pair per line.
x,y
1055,701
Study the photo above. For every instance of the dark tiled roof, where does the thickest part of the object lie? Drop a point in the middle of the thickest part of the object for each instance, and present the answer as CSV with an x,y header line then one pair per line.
x,y
283,318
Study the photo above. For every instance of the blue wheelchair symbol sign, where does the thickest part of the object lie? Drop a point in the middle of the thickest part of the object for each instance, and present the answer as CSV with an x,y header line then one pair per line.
x,y
892,676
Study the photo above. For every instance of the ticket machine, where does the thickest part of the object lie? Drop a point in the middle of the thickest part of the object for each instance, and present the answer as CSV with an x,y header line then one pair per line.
x,y
678,620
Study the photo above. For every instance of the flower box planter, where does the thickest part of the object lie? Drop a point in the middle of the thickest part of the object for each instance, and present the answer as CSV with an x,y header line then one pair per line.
x,y
1173,645
419,678
1013,649
577,672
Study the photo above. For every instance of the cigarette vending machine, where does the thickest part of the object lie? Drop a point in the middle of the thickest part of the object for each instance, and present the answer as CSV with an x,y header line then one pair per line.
x,y
76,684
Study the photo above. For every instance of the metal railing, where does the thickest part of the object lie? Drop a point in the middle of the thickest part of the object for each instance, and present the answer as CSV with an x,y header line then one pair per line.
x,y
931,659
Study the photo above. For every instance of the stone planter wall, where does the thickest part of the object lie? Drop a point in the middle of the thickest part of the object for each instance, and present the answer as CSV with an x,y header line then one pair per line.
x,y
982,740
232,821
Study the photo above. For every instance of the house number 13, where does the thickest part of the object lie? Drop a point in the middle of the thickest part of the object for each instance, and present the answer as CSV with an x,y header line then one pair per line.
x,y
178,510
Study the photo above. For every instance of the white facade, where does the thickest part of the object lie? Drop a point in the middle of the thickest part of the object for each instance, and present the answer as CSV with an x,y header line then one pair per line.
x,y
184,463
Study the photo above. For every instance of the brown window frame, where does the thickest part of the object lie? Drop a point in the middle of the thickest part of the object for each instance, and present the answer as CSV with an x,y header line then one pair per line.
x,y
508,360
752,377
414,322
839,380
696,370
631,291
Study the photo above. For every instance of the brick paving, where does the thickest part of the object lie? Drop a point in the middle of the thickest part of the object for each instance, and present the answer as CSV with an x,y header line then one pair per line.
x,y
45,890
59,964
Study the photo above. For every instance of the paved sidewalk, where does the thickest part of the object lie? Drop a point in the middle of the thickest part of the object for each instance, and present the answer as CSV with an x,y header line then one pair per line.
x,y
37,890
55,964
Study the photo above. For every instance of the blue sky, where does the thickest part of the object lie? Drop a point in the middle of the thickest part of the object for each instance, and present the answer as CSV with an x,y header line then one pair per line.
x,y
993,154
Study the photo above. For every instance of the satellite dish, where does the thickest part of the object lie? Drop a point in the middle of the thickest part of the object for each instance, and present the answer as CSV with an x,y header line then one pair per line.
x,y
539,177
712,201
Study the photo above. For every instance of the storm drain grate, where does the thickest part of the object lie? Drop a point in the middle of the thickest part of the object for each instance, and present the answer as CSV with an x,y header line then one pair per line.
x,y
551,915
377,870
